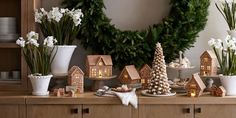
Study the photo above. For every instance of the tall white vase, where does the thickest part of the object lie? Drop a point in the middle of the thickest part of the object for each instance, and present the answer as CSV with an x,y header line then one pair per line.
x,y
229,83
60,64
232,33
40,84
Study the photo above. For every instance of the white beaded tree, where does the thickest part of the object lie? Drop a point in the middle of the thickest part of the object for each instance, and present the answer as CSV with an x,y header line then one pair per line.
x,y
159,81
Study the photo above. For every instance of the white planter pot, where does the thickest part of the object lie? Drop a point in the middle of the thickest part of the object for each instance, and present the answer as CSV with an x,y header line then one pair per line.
x,y
40,84
232,33
62,59
229,83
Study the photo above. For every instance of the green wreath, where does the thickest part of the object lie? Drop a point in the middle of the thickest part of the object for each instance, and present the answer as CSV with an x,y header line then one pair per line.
x,y
176,33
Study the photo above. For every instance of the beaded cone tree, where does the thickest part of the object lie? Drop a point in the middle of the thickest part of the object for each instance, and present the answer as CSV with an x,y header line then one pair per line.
x,y
159,81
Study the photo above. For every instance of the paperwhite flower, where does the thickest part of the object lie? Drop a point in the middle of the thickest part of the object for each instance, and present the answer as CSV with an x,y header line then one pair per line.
x,y
55,14
62,10
212,42
33,42
20,42
43,11
49,41
218,44
32,35
76,16
38,16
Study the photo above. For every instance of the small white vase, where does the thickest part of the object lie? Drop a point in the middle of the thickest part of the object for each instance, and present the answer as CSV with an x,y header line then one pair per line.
x,y
60,64
232,33
229,83
40,84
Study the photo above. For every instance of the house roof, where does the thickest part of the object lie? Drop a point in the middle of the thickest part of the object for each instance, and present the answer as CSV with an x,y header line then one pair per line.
x,y
144,67
199,81
94,59
74,69
132,72
210,53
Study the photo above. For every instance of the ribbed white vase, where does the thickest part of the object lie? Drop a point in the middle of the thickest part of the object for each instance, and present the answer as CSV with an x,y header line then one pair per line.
x,y
229,83
60,64
40,84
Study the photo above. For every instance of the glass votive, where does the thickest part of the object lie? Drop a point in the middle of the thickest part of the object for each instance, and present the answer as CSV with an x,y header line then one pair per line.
x,y
5,75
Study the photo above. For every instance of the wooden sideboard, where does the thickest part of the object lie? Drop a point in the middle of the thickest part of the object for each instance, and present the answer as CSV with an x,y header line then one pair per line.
x,y
89,106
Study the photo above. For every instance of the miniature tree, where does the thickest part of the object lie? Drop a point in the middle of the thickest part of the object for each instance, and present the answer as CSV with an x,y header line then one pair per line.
x,y
159,81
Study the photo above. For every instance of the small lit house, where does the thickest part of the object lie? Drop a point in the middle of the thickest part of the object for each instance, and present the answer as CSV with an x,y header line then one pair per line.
x,y
195,86
98,66
145,74
129,75
76,78
208,64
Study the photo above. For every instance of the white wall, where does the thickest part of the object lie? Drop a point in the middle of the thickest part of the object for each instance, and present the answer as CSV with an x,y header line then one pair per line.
x,y
139,14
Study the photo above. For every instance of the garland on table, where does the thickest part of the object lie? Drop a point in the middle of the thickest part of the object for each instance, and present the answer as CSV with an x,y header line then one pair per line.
x,y
177,32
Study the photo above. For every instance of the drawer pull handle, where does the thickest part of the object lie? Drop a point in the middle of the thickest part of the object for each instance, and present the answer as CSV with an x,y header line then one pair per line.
x,y
75,111
198,110
86,110
186,110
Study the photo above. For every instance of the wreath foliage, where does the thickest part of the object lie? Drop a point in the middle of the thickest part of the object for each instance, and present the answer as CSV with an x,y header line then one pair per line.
x,y
177,32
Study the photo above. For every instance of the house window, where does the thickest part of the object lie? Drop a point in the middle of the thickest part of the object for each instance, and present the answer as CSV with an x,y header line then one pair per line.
x,y
94,72
100,63
202,67
208,67
205,59
142,81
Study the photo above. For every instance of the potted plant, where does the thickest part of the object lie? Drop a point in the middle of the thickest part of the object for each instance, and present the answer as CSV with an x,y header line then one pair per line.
x,y
63,24
39,58
226,56
227,10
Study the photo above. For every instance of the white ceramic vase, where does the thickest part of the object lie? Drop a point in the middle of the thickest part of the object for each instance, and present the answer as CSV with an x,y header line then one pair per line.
x,y
232,33
229,83
60,64
40,84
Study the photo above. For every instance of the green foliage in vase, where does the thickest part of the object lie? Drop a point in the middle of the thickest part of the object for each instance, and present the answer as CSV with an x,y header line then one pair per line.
x,y
38,57
177,32
61,23
228,11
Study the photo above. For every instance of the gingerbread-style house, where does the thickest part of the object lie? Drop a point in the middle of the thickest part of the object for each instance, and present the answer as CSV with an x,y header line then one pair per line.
x,y
76,78
98,66
208,64
129,75
145,74
195,86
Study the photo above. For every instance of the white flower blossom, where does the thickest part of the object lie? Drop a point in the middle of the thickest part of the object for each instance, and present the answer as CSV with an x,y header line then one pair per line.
x,y
218,44
62,10
43,11
20,42
49,41
33,42
212,42
38,16
32,35
55,14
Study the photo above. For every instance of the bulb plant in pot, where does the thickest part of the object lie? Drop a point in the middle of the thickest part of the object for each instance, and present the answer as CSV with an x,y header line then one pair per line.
x,y
38,58
225,52
63,24
227,8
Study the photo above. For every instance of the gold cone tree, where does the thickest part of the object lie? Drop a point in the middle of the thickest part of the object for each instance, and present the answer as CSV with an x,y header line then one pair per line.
x,y
159,81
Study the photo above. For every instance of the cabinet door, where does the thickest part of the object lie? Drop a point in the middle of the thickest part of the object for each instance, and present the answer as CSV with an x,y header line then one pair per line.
x,y
107,111
9,111
215,111
166,111
54,111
